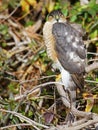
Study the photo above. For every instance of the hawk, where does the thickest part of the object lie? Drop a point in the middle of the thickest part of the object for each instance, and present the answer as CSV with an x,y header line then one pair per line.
x,y
65,47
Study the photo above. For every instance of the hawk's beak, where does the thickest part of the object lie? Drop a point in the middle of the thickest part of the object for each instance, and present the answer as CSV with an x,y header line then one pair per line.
x,y
57,18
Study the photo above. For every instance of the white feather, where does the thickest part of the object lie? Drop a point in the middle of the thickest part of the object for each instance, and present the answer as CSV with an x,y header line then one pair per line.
x,y
71,55
75,44
65,75
65,78
66,33
68,39
76,39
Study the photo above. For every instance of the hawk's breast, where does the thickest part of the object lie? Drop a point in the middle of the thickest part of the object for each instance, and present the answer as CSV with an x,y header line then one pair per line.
x,y
49,41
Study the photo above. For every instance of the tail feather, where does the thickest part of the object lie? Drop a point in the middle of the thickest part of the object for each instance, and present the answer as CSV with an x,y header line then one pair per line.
x,y
78,80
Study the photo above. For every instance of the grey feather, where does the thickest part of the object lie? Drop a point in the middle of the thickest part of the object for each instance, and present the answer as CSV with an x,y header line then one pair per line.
x,y
65,47
70,51
79,28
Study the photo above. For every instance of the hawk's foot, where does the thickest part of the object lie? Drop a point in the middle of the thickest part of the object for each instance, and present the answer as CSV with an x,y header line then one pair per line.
x,y
70,118
58,77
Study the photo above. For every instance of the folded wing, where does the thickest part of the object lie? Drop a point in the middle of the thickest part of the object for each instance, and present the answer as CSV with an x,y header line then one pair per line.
x,y
70,50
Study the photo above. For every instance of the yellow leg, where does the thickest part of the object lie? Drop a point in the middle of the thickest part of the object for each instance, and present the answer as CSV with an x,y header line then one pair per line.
x,y
58,77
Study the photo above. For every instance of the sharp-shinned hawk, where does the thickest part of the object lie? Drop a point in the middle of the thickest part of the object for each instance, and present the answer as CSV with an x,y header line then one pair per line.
x,y
65,47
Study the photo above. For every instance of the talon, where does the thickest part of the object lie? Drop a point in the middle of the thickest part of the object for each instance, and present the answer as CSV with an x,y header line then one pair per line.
x,y
70,118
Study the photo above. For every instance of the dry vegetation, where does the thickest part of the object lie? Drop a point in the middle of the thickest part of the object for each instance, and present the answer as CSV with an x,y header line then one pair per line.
x,y
30,99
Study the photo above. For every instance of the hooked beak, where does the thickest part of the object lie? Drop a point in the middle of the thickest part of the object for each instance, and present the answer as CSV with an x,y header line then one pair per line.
x,y
57,18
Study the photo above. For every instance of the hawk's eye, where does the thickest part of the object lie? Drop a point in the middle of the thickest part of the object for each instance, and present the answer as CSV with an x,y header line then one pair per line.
x,y
61,15
50,17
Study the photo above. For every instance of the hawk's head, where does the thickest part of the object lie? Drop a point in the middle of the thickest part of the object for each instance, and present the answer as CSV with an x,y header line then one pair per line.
x,y
56,16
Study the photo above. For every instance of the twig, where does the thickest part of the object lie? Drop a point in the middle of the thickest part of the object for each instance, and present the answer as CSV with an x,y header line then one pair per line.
x,y
92,67
91,40
78,127
18,51
28,120
81,121
78,124
67,103
94,60
37,87
91,81
13,23
92,53
93,88
43,85
31,80
12,12
19,43
15,125
16,39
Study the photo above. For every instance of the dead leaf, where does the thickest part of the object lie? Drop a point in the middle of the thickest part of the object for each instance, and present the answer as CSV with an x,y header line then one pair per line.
x,y
90,101
25,6
32,2
50,5
48,116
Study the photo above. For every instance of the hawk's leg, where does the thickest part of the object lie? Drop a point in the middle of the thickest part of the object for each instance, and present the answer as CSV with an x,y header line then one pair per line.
x,y
58,77
70,118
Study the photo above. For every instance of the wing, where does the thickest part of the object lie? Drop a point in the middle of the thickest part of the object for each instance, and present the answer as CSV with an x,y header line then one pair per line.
x,y
70,51
79,28
78,79
69,47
